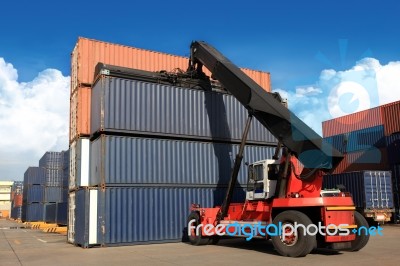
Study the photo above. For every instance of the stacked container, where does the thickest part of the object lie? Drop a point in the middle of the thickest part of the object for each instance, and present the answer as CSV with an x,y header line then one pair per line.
x,y
370,140
152,148
16,200
45,186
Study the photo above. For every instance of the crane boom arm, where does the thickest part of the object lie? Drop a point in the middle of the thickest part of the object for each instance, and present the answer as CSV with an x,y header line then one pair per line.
x,y
282,123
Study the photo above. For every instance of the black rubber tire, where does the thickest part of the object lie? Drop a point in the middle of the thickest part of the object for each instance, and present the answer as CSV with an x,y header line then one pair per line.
x,y
305,243
194,239
362,239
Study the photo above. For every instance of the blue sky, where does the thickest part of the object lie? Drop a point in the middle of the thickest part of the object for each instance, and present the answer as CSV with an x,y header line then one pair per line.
x,y
309,47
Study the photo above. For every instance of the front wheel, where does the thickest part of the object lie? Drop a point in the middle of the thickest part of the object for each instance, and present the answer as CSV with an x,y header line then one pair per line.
x,y
362,236
293,243
194,238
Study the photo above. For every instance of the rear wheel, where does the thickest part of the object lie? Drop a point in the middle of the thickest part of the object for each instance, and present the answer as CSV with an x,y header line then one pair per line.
x,y
361,237
295,243
195,239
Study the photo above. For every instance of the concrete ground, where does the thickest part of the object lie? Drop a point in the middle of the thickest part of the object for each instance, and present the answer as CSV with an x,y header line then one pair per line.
x,y
20,246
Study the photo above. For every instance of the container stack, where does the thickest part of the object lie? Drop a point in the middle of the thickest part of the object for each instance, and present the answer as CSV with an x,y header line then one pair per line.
x,y
153,148
370,140
44,188
16,200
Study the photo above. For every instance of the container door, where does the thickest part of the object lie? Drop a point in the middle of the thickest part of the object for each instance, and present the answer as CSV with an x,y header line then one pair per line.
x,y
71,217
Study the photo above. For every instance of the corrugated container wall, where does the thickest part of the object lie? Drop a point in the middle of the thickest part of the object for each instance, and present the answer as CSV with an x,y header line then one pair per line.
x,y
79,163
62,213
358,140
360,120
393,147
396,187
87,53
372,159
391,116
80,113
35,212
133,215
369,189
131,106
16,213
130,160
50,213
35,193
34,176
52,160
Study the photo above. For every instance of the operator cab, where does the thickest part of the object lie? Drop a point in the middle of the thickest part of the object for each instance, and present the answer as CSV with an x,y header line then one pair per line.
x,y
262,179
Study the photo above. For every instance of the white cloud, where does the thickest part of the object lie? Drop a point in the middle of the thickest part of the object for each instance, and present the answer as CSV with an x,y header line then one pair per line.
x,y
34,118
366,85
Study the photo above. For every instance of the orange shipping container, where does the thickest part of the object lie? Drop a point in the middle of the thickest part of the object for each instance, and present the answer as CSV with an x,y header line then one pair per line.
x,y
17,201
348,123
391,116
87,53
79,124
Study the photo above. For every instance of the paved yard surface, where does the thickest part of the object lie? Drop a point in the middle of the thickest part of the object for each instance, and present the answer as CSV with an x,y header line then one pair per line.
x,y
20,246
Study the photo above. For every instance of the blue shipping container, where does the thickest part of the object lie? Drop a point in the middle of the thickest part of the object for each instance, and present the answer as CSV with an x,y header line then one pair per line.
x,y
129,215
393,148
62,211
34,193
51,159
358,140
50,213
35,212
54,177
53,194
16,213
34,176
131,106
369,189
132,160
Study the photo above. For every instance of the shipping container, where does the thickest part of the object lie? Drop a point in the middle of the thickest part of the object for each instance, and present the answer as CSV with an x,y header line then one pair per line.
x,y
35,212
396,189
393,148
79,122
34,193
50,213
87,53
131,106
371,159
134,215
132,160
358,140
16,213
371,191
54,177
62,212
352,122
18,187
23,213
17,201
391,118
51,159
79,163
71,214
34,176
53,194
83,217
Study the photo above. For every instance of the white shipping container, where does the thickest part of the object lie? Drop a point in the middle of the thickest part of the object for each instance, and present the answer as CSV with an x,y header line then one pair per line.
x,y
79,163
